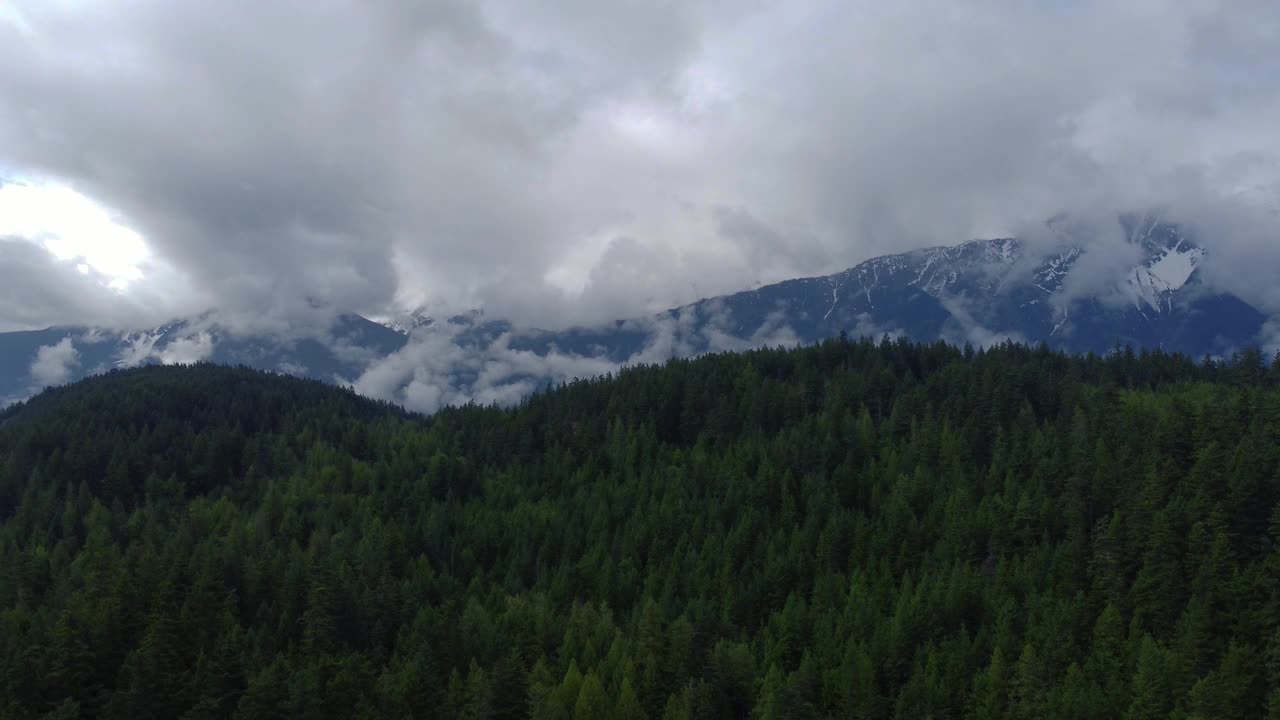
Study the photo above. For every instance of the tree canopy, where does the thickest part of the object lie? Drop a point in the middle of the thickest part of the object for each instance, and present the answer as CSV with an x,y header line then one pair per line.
x,y
855,529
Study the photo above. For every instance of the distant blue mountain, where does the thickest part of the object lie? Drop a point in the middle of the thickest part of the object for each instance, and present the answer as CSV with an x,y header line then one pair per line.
x,y
981,292
341,351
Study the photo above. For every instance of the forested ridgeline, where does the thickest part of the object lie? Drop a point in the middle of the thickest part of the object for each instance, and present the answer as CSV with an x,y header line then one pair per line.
x,y
855,529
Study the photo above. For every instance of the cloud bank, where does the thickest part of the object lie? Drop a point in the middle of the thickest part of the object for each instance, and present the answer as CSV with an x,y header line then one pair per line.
x,y
570,162
444,364
54,364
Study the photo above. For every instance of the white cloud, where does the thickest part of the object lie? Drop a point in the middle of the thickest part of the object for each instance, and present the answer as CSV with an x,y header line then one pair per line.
x,y
443,365
138,349
867,327
575,161
72,227
192,345
963,328
438,367
54,364
292,368
187,350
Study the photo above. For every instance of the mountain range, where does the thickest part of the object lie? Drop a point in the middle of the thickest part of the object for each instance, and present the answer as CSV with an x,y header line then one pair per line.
x,y
980,292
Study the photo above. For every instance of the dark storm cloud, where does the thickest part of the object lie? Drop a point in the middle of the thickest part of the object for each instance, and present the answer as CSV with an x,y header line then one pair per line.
x,y
574,161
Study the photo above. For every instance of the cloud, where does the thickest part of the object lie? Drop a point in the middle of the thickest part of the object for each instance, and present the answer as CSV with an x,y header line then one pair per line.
x,y
292,368
187,350
711,328
570,162
38,290
1106,257
963,328
191,345
867,327
1269,341
1242,236
137,348
448,364
441,367
53,364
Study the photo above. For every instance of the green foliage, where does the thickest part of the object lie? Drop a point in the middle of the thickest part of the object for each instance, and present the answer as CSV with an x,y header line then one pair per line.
x,y
628,707
592,700
854,529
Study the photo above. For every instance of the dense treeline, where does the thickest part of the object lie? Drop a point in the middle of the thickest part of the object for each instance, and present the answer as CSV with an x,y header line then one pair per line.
x,y
855,529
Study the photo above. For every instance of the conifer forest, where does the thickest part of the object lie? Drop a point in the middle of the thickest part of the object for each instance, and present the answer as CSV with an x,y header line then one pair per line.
x,y
854,529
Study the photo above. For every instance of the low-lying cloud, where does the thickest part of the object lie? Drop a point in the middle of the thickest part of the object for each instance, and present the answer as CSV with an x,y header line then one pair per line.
x,y
444,364
54,364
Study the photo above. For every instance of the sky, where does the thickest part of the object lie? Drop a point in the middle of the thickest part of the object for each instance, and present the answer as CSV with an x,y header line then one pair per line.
x,y
573,161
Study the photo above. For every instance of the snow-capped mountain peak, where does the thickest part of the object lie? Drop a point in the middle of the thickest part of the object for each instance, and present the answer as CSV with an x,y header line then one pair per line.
x,y
1169,261
979,292
985,290
1152,284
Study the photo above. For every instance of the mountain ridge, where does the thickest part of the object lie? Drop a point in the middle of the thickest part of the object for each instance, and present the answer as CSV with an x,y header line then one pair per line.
x,y
1052,289
982,291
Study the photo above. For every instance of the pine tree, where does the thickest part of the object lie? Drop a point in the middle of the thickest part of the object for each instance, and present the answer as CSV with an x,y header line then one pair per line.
x,y
478,703
1151,700
510,691
1231,691
771,700
592,700
628,707
218,681
678,706
1027,693
157,684
990,692
267,694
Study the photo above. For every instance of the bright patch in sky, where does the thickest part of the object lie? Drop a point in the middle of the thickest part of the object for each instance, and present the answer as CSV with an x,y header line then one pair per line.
x,y
13,16
73,228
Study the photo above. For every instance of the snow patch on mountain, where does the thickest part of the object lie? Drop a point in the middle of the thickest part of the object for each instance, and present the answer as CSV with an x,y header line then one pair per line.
x,y
138,348
1151,285
405,323
1050,275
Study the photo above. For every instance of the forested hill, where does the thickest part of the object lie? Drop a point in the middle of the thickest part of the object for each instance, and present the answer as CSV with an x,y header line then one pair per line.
x,y
848,530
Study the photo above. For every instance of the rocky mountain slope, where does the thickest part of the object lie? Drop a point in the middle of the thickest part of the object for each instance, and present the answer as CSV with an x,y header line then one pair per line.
x,y
982,292
1146,293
